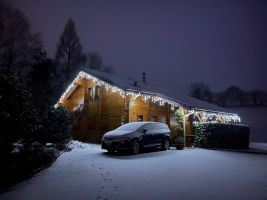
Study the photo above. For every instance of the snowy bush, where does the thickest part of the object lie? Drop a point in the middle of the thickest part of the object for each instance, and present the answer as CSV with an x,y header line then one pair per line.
x,y
216,135
25,131
74,144
56,127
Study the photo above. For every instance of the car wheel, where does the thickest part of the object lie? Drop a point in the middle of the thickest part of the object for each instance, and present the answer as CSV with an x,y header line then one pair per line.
x,y
166,144
135,147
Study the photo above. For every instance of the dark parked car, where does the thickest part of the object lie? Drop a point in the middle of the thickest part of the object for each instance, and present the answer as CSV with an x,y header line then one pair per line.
x,y
137,135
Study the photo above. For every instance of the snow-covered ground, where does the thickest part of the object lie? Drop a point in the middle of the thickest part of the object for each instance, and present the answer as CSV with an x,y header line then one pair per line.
x,y
87,172
256,118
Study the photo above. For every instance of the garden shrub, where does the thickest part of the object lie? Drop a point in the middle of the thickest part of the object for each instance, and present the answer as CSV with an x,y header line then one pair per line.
x,y
56,127
25,131
179,129
224,136
18,115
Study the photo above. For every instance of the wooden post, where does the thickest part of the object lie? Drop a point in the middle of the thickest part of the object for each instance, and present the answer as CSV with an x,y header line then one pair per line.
x,y
126,109
186,116
98,120
149,110
85,110
184,131
168,114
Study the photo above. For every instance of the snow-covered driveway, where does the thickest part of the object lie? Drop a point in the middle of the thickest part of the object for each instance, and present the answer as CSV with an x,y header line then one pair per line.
x,y
90,173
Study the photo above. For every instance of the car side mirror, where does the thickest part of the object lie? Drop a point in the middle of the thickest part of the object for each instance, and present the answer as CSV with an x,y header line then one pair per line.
x,y
144,130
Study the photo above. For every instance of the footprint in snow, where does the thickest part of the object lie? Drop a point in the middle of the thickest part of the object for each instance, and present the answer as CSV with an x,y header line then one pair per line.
x,y
116,189
101,198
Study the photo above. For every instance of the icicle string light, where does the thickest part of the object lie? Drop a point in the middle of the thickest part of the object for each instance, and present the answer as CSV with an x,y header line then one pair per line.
x,y
123,93
155,98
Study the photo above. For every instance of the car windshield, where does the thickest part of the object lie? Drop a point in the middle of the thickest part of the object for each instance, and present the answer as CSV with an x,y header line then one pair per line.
x,y
129,127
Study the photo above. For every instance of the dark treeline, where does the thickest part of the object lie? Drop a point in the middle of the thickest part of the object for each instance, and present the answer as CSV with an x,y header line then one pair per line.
x,y
233,96
32,131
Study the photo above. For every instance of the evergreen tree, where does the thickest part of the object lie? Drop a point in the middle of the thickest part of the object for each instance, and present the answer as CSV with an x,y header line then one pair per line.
x,y
201,91
43,82
179,118
69,50
95,62
234,96
19,118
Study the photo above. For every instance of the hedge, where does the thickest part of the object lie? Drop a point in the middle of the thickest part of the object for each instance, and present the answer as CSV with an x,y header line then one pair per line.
x,y
223,136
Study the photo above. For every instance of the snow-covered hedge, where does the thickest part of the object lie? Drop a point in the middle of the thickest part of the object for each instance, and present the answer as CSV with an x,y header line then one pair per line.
x,y
224,136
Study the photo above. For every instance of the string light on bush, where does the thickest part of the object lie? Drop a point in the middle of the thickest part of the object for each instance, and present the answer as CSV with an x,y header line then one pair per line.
x,y
224,117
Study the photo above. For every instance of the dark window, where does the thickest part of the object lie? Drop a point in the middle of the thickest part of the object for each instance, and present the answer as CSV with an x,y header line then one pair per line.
x,y
139,118
89,93
155,118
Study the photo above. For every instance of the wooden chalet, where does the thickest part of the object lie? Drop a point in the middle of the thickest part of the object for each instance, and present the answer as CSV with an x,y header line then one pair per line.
x,y
106,101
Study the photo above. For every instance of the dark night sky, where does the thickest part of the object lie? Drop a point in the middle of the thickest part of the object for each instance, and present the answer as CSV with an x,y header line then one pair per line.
x,y
220,43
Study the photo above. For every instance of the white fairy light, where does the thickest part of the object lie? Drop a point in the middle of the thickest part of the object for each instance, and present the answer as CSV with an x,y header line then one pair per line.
x,y
145,96
226,117
123,93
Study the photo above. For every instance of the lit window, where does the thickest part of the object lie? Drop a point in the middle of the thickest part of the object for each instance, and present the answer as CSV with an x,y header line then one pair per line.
x,y
94,93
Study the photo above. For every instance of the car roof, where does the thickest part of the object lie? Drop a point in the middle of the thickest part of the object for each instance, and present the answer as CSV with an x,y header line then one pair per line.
x,y
145,122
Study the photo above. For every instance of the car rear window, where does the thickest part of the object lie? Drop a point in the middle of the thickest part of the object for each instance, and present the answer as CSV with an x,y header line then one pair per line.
x,y
160,126
129,127
148,126
165,126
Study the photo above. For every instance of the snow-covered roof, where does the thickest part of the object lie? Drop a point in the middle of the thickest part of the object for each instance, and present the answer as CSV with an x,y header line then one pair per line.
x,y
128,84
169,96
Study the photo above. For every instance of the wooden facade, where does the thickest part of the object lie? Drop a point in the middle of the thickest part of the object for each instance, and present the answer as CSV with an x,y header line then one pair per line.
x,y
103,106
104,110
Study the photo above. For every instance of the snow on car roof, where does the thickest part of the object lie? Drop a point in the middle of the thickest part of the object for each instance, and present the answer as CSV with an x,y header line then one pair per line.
x,y
143,122
135,125
128,84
